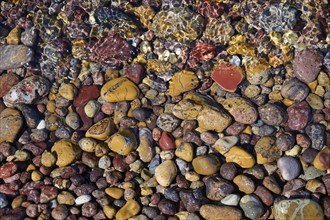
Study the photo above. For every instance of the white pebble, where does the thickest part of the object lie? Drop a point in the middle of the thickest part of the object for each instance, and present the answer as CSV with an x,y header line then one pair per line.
x,y
41,125
83,199
231,199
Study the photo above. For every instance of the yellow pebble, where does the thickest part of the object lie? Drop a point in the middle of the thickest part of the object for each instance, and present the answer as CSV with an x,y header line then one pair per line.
x,y
31,167
287,102
114,192
185,152
312,85
122,142
36,176
109,211
119,89
241,157
247,130
131,208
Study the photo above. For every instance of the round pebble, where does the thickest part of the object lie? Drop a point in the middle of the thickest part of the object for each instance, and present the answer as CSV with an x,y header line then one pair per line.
x,y
289,167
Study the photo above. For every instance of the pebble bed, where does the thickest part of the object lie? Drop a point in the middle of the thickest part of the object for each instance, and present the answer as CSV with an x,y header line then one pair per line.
x,y
164,109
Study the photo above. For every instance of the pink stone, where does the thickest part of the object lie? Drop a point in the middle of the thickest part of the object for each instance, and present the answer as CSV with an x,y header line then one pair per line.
x,y
299,114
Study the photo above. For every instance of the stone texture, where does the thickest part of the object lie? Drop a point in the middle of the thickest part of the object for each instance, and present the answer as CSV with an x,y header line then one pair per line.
x,y
214,212
67,152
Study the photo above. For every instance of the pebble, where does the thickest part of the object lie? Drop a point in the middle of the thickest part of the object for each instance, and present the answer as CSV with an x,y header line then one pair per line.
x,y
3,201
289,167
294,90
185,152
228,76
65,198
7,81
11,124
166,141
165,173
299,115
285,141
92,108
130,209
217,189
272,114
141,114
60,212
167,122
101,130
14,56
316,133
315,101
322,159
241,109
48,159
123,142
182,81
265,195
228,171
307,64
271,184
67,152
119,89
267,150
109,211
252,207
241,157
201,108
223,145
206,164
231,199
214,212
68,91
82,199
244,183
297,209
87,144
104,162
167,207
27,91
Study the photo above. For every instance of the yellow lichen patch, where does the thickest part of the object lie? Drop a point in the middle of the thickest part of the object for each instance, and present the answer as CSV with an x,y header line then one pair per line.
x,y
158,66
182,81
241,157
257,71
122,142
102,129
119,89
242,49
145,14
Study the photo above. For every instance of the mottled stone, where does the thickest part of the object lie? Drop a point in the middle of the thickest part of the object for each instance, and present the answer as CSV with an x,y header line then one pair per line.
x,y
272,114
67,152
251,206
241,109
14,56
294,90
299,115
307,64
266,150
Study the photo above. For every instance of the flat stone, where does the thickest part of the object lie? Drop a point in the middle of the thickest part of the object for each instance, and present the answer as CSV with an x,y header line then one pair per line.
x,y
14,56
214,212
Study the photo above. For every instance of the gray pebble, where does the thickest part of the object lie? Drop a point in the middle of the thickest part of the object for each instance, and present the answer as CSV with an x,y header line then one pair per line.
x,y
289,167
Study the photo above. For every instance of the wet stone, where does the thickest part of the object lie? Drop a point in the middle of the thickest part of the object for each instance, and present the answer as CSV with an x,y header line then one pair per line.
x,y
27,91
294,90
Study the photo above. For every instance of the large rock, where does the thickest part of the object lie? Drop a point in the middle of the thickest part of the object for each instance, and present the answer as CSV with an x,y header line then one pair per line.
x,y
208,114
298,209
28,91
14,56
11,122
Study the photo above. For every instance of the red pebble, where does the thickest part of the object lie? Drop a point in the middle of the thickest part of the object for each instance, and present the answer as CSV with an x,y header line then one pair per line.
x,y
7,170
166,141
